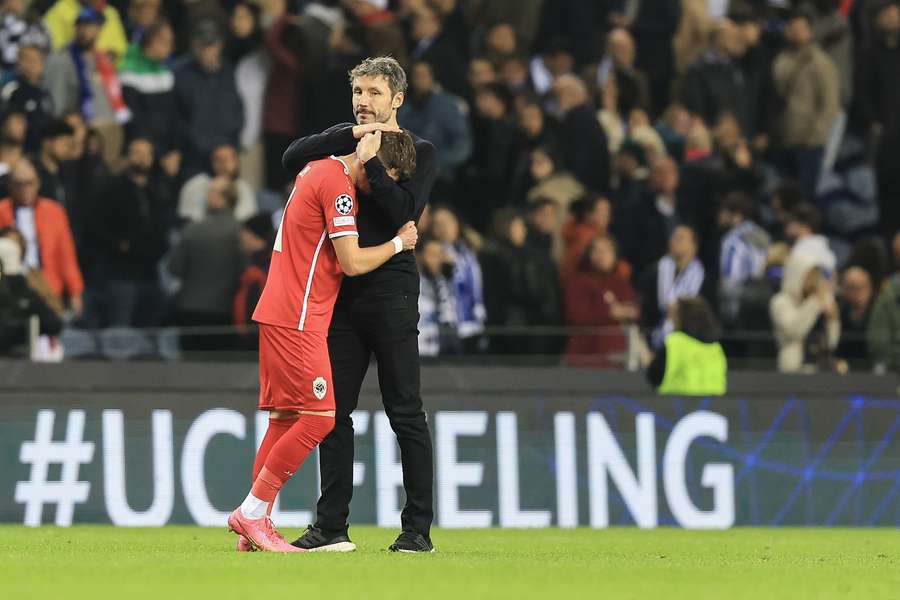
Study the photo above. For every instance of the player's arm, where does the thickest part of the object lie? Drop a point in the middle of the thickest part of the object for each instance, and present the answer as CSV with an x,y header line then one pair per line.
x,y
402,202
339,140
359,261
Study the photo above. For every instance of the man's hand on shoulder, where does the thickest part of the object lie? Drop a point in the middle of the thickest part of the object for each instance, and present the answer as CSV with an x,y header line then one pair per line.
x,y
360,131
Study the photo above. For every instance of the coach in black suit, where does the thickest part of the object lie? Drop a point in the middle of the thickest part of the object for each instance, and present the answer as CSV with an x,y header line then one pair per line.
x,y
375,313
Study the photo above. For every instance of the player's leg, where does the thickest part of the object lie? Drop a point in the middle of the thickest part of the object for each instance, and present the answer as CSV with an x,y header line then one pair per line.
x,y
397,354
349,362
294,376
279,424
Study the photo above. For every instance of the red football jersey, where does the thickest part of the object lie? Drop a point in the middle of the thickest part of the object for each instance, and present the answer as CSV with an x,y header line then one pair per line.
x,y
305,276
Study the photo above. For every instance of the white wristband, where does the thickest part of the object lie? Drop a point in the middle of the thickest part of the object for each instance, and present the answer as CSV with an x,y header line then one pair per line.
x,y
398,244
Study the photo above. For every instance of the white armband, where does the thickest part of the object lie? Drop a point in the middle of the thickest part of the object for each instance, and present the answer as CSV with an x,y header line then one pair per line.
x,y
398,244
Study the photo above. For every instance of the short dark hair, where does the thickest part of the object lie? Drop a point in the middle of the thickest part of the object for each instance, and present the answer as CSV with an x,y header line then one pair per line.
x,y
790,194
152,31
398,152
582,207
584,263
55,129
502,221
740,203
807,214
696,319
384,66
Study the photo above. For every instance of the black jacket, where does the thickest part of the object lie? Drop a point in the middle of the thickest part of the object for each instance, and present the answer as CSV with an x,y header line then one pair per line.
x,y
714,86
382,212
586,152
135,226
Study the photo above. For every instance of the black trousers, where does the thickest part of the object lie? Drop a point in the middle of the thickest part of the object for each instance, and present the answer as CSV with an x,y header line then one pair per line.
x,y
385,326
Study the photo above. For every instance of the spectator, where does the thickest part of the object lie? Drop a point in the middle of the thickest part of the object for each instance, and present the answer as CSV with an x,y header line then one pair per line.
x,y
554,61
81,76
282,95
488,171
692,362
590,217
49,246
855,304
743,253
785,198
806,317
833,35
883,330
544,220
111,37
257,241
676,275
808,86
551,181
482,72
246,51
193,202
431,44
85,174
694,30
142,15
520,288
439,118
26,94
19,299
501,43
208,263
148,86
208,98
803,227
617,66
467,281
586,152
715,83
438,326
653,26
20,25
514,75
135,209
649,223
599,296
877,99
532,131
57,140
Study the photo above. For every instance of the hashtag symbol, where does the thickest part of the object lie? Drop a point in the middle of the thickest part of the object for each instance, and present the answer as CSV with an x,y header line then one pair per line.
x,y
40,454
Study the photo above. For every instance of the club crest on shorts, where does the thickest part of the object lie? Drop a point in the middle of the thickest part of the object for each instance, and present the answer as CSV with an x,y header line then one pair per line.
x,y
320,387
343,204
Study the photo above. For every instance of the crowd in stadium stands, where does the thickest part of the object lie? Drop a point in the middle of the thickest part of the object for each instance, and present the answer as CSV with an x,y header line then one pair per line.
x,y
597,160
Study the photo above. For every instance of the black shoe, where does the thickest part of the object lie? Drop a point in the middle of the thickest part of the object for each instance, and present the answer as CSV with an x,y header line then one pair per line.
x,y
316,539
411,542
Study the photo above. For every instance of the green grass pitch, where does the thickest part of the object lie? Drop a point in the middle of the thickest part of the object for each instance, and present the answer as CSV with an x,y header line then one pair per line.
x,y
669,564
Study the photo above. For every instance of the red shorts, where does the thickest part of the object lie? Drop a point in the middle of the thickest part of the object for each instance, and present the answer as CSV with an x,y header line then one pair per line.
x,y
294,370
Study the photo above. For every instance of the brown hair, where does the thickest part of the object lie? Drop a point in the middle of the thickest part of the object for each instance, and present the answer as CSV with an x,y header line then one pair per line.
x,y
398,152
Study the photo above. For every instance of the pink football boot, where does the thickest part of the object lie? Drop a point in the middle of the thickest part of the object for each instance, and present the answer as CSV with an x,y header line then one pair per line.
x,y
260,533
244,545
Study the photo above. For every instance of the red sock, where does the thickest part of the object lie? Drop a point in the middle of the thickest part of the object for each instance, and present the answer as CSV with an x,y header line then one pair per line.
x,y
288,454
277,428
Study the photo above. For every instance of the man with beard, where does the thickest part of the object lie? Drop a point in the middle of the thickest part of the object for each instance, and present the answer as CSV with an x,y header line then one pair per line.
x,y
375,313
80,76
134,213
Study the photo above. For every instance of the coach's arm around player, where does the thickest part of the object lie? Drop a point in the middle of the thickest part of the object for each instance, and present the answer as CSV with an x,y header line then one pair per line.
x,y
398,202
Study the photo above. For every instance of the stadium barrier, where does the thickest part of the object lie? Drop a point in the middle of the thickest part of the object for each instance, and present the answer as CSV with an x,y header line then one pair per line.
x,y
146,444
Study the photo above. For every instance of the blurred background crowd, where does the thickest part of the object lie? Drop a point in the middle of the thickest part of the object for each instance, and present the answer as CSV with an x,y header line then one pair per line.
x,y
598,161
